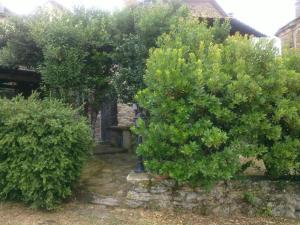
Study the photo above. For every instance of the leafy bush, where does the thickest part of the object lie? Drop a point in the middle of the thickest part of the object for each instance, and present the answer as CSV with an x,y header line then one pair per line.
x,y
283,156
292,59
212,101
43,145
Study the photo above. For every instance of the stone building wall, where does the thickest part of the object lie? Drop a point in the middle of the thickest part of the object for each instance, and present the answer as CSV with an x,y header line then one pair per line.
x,y
290,38
205,8
125,115
248,197
297,35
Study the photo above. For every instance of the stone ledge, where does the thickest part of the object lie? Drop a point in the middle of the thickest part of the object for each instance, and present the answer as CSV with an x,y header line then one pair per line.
x,y
247,197
135,178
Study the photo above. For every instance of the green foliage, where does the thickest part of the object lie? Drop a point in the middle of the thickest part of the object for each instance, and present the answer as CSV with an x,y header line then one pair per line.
x,y
130,56
136,31
76,48
85,56
17,45
210,98
250,198
266,211
210,102
282,158
292,59
43,145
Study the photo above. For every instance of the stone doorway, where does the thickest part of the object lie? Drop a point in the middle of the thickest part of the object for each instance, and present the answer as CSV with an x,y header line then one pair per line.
x,y
112,131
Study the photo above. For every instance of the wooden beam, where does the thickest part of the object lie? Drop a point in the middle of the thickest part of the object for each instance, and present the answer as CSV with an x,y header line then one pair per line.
x,y
2,85
236,26
19,76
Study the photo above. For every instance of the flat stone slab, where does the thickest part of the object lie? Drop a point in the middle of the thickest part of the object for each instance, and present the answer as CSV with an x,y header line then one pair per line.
x,y
106,201
134,178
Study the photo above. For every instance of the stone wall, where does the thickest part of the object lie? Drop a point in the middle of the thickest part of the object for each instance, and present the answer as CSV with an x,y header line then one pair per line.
x,y
248,197
125,115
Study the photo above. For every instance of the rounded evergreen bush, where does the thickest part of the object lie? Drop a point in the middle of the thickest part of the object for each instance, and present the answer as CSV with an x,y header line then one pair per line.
x,y
43,145
211,100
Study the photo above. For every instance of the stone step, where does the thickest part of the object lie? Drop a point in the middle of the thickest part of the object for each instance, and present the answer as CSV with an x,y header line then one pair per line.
x,y
104,200
108,149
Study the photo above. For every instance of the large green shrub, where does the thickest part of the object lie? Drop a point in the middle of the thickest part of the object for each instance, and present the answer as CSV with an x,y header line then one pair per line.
x,y
211,101
43,145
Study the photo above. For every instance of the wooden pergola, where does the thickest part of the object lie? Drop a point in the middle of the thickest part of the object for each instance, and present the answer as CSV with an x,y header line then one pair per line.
x,y
19,81
236,26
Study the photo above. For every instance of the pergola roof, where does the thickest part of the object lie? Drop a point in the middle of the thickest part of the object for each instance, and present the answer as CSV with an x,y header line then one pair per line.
x,y
19,75
236,26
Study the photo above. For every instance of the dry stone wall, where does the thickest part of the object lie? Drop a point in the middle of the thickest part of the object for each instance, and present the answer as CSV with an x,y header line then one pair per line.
x,y
248,197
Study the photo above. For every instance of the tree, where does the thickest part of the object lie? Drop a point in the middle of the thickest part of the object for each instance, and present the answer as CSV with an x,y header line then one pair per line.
x,y
137,29
18,48
77,62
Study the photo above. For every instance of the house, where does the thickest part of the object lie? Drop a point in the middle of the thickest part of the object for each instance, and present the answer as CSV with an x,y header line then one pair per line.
x,y
290,33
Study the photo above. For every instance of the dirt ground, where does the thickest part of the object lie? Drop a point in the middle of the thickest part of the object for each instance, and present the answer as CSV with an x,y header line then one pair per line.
x,y
76,213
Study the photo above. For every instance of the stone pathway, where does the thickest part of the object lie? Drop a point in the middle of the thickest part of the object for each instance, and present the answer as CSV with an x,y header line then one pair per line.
x,y
103,180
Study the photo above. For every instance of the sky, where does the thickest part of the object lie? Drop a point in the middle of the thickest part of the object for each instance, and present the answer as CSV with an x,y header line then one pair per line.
x,y
266,16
